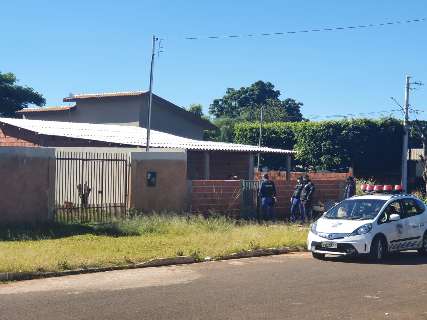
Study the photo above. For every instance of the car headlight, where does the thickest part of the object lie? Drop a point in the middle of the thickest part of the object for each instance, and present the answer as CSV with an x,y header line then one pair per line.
x,y
366,228
314,227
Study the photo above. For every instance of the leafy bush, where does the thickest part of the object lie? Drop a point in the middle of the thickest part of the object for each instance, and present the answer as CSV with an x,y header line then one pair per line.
x,y
367,145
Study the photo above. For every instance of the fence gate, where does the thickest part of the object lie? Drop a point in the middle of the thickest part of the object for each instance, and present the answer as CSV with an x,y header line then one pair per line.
x,y
91,186
249,199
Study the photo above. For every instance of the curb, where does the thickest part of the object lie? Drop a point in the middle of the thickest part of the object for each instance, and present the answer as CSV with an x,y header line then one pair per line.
x,y
161,262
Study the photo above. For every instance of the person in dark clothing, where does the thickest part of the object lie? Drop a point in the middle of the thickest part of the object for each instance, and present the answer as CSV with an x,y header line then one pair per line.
x,y
350,187
296,201
267,195
306,199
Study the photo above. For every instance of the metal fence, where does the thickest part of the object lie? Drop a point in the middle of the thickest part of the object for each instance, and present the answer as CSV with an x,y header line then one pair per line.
x,y
91,186
249,206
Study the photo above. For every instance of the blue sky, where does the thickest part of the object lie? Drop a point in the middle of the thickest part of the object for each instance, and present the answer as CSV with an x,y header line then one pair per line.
x,y
77,46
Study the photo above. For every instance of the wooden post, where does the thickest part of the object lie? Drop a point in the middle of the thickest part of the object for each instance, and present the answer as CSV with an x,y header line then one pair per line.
x,y
288,166
251,167
207,173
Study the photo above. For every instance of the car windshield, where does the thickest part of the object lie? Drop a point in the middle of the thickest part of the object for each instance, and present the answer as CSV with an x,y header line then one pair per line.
x,y
355,209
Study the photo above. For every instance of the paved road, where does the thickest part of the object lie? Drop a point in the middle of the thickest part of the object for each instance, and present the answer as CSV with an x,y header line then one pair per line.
x,y
291,286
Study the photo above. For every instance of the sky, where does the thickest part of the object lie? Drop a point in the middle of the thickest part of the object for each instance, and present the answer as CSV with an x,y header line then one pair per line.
x,y
86,46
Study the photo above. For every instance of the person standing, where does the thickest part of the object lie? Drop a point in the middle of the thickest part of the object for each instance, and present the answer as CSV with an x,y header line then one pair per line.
x,y
296,201
306,199
267,194
350,187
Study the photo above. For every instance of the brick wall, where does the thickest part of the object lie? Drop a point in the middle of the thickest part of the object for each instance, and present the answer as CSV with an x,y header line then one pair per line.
x,y
327,191
11,141
223,196
220,196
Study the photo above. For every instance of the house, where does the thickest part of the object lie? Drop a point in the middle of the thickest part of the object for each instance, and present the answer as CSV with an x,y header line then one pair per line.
x,y
124,108
206,160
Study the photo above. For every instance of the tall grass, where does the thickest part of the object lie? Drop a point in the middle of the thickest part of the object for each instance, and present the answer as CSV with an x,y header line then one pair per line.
x,y
59,247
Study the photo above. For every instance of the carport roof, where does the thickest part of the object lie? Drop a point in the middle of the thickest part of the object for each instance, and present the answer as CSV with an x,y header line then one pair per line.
x,y
129,136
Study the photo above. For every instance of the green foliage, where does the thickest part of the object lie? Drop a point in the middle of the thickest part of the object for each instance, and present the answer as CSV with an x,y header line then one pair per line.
x,y
14,97
196,109
224,131
417,133
245,104
367,145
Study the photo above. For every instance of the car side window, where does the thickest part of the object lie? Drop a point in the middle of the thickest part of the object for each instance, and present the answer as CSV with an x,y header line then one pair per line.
x,y
420,205
392,208
410,208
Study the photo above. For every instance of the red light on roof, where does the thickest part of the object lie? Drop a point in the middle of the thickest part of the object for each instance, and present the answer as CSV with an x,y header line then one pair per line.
x,y
378,188
363,187
398,188
369,187
388,188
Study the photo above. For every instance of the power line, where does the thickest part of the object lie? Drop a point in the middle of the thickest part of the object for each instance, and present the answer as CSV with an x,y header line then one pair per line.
x,y
324,29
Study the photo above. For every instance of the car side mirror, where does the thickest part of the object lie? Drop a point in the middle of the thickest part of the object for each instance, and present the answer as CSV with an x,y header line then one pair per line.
x,y
394,217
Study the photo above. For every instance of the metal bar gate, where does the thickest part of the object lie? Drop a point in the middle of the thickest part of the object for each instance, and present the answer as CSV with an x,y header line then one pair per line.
x,y
91,187
249,206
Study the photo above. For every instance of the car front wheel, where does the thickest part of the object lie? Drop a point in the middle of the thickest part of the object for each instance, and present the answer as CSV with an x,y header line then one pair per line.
x,y
378,249
423,249
319,256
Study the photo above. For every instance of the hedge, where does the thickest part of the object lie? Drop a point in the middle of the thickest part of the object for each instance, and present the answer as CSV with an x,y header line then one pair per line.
x,y
364,144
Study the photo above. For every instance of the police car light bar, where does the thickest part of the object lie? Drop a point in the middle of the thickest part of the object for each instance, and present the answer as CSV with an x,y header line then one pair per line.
x,y
388,188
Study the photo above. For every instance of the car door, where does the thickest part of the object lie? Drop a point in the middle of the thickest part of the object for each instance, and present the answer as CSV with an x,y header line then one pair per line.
x,y
412,212
393,230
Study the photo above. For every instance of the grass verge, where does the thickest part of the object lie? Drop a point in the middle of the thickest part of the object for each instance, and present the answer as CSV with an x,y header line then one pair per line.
x,y
62,247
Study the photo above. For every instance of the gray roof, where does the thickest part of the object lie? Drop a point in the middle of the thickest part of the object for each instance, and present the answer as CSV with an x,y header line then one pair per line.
x,y
129,135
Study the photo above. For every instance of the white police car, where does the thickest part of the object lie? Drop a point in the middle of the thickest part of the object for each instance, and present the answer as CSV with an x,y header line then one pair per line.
x,y
377,223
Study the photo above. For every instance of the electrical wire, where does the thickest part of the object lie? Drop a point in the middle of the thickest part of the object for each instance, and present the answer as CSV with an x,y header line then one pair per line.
x,y
325,29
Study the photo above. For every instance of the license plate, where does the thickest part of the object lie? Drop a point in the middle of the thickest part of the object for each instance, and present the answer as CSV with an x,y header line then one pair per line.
x,y
329,245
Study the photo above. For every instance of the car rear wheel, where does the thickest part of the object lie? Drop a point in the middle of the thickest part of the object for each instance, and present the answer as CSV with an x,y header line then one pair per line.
x,y
319,256
378,249
423,249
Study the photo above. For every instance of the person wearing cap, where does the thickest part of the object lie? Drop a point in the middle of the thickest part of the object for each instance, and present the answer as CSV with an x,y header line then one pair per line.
x,y
306,198
295,200
350,187
267,194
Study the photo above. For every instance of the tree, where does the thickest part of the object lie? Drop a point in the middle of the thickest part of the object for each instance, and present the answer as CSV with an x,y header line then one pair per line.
x,y
418,132
245,104
196,109
14,97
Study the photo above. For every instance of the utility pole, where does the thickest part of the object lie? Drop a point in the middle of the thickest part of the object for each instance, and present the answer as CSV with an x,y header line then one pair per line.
x,y
150,102
405,137
260,137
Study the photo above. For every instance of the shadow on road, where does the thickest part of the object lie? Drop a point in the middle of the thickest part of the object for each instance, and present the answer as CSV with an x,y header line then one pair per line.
x,y
399,259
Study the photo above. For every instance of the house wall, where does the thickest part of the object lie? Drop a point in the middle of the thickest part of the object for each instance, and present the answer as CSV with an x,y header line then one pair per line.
x,y
165,120
129,111
170,191
28,175
121,111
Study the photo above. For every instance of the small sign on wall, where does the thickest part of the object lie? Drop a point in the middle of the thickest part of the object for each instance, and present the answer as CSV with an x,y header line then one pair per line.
x,y
151,178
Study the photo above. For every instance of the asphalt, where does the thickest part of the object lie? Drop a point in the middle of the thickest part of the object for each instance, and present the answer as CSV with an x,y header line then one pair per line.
x,y
292,286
